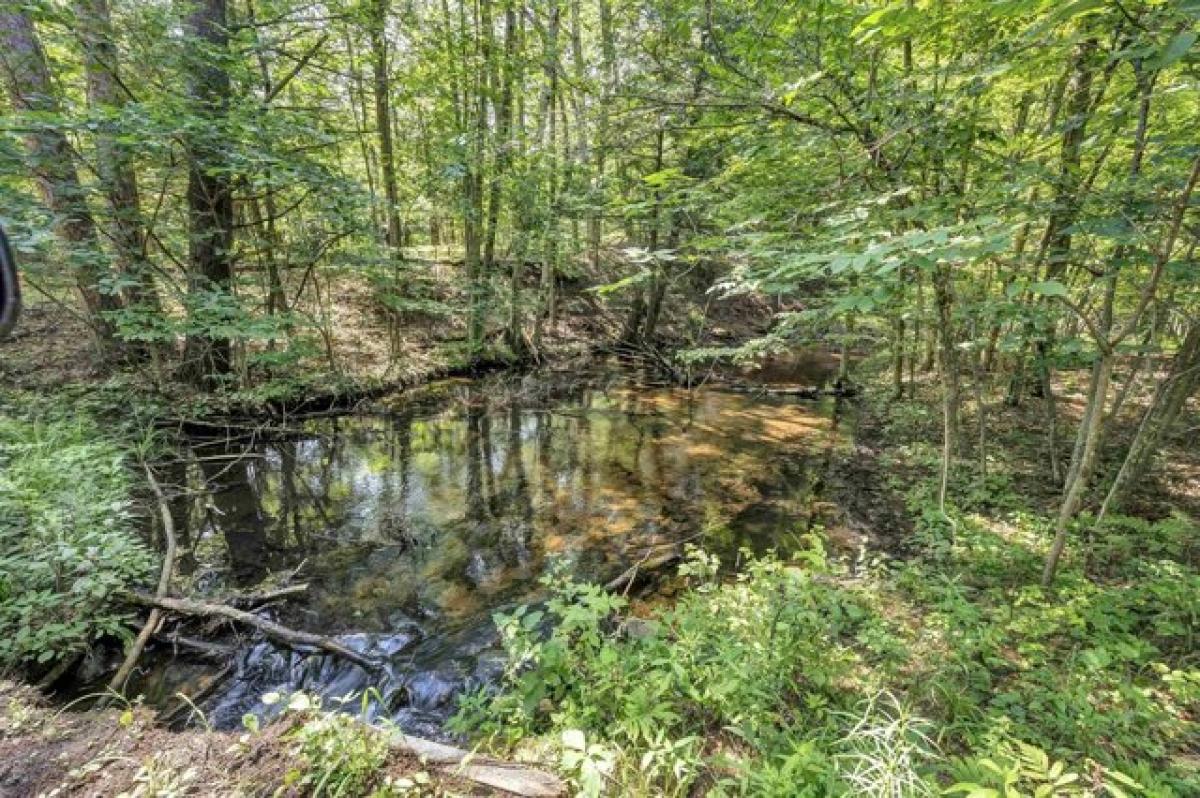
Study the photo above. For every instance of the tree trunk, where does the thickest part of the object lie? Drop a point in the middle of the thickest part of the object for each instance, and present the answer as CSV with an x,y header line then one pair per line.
x,y
115,164
53,167
549,299
1167,406
208,357
948,352
383,125
1089,434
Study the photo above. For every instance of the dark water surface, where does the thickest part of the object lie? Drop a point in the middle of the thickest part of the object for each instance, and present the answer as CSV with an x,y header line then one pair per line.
x,y
414,524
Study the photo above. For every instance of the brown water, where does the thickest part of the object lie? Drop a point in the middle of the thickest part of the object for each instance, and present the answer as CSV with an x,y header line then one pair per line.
x,y
414,524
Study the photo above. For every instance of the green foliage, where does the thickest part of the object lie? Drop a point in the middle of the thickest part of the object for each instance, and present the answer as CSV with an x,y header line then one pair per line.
x,y
67,539
950,671
746,661
339,754
1020,770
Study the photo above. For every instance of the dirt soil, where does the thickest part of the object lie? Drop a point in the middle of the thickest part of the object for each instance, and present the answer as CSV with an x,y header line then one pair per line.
x,y
48,751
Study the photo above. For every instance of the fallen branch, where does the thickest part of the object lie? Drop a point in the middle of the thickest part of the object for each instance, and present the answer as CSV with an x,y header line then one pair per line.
x,y
647,564
253,600
800,391
277,632
117,683
202,647
507,776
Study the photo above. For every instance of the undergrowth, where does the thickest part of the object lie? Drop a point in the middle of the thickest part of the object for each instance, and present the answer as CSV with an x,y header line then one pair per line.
x,y
951,673
68,545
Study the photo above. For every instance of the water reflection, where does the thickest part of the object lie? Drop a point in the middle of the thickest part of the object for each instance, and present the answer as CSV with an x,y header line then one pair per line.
x,y
414,525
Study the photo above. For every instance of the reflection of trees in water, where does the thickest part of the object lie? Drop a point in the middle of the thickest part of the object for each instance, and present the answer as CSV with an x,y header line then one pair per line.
x,y
235,512
471,499
499,506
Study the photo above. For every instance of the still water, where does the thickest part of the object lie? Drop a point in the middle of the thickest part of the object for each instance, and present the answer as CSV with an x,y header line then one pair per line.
x,y
414,523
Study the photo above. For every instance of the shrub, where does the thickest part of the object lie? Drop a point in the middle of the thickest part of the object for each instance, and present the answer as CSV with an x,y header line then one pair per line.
x,y
339,755
67,543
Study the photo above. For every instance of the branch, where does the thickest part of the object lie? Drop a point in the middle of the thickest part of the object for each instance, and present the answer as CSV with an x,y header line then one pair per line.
x,y
282,84
117,683
1164,253
277,632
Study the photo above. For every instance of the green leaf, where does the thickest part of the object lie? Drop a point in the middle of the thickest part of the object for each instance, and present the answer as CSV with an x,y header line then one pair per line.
x,y
1050,288
1176,49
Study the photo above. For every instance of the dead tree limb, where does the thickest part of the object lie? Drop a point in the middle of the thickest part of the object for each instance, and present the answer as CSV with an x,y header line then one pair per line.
x,y
117,683
253,600
646,565
277,632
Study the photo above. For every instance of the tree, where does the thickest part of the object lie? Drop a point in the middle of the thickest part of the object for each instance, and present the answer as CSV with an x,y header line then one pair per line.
x,y
208,354
51,162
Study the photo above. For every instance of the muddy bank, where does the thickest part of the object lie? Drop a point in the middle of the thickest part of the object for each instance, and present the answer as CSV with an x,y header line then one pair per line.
x,y
46,751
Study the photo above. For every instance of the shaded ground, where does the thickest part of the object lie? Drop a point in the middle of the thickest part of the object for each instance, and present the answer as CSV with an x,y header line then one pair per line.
x,y
48,751
1017,450
357,341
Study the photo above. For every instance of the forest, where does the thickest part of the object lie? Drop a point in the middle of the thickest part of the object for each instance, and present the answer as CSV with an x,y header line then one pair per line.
x,y
600,397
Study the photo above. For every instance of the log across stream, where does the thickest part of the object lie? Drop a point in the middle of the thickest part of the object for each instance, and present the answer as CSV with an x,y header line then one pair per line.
x,y
413,523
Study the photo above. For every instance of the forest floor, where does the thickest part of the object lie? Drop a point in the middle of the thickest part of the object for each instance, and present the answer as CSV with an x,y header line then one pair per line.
x,y
354,349
123,751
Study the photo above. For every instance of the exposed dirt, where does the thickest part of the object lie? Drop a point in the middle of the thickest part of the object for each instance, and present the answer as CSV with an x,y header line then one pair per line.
x,y
46,751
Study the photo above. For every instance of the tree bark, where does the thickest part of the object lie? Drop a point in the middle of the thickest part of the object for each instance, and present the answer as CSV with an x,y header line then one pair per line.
x,y
207,357
106,97
383,125
51,161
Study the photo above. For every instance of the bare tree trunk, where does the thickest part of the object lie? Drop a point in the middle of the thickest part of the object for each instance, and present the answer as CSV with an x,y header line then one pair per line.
x,y
383,124
1165,409
474,220
51,160
549,129
106,97
503,76
948,352
1055,248
608,50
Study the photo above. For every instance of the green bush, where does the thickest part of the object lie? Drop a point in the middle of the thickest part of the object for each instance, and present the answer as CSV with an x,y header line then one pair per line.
x,y
743,664
797,679
337,754
67,542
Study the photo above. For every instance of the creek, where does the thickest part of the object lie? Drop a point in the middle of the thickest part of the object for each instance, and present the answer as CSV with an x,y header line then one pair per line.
x,y
415,522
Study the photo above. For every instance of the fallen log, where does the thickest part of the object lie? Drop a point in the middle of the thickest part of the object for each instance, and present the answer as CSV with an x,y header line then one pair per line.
x,y
843,390
507,776
275,631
